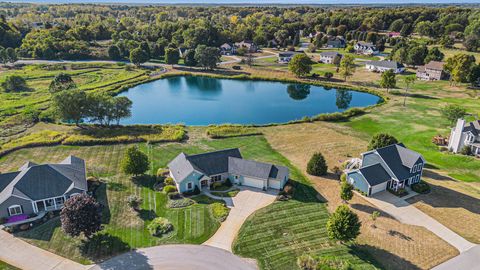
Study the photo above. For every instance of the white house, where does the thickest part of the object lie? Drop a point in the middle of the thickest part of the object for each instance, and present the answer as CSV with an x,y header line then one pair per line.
x,y
464,134
285,57
384,65
365,48
330,57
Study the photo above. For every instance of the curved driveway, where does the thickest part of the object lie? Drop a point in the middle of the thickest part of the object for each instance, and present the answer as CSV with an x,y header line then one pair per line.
x,y
177,257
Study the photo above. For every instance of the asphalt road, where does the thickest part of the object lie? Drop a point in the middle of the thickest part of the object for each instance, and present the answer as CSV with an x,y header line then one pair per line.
x,y
177,257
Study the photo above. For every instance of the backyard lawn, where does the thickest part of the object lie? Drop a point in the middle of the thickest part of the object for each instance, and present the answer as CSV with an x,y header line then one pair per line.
x,y
6,266
279,233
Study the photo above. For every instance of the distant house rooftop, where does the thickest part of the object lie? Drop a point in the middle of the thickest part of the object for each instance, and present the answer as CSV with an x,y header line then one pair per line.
x,y
386,64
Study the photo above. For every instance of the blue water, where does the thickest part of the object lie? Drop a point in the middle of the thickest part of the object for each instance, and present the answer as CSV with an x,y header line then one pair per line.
x,y
202,101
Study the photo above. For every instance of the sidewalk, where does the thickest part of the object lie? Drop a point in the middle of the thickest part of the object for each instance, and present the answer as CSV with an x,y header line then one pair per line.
x,y
28,257
408,214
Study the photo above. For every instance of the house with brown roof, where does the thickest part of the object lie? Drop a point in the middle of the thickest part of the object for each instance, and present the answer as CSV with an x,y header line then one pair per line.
x,y
432,71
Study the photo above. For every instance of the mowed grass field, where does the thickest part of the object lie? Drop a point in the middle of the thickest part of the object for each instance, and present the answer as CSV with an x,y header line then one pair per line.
x,y
6,266
277,234
125,229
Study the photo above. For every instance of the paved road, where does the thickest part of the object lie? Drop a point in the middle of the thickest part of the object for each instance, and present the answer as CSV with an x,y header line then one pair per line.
x,y
247,201
408,214
28,257
468,260
177,257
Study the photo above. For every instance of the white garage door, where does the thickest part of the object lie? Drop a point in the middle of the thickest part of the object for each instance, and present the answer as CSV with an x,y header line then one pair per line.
x,y
274,184
251,182
378,188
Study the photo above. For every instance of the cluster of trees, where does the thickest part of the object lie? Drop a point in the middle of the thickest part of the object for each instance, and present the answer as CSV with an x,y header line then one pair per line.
x,y
75,105
72,31
414,54
8,55
14,83
463,68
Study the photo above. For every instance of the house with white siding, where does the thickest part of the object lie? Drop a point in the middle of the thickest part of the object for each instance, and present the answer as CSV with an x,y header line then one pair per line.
x,y
465,135
384,65
392,167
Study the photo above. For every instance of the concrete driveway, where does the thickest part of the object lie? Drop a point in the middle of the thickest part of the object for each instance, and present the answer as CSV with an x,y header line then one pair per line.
x,y
247,201
28,257
177,257
468,260
408,214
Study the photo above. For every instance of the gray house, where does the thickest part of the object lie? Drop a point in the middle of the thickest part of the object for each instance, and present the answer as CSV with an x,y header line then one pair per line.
x,y
36,188
384,65
202,170
465,135
330,57
392,167
336,42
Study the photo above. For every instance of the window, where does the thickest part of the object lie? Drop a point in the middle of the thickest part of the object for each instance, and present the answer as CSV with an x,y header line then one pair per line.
x,y
15,210
216,178
189,185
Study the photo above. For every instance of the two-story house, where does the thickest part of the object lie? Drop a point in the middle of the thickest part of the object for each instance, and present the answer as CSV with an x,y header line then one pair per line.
x,y
336,42
433,71
365,48
464,134
330,57
228,49
391,167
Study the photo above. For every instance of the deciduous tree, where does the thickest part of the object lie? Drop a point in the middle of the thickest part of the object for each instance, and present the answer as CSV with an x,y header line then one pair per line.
x,y
347,66
381,140
81,214
388,80
61,82
300,65
343,224
135,162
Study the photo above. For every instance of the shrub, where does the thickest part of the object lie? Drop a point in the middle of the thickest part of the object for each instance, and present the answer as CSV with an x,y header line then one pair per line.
x,y
179,203
169,189
466,150
216,185
381,140
343,224
81,214
195,191
328,75
135,161
421,187
162,172
228,183
14,83
306,262
174,195
134,201
346,191
343,177
317,165
169,181
219,211
159,226
237,67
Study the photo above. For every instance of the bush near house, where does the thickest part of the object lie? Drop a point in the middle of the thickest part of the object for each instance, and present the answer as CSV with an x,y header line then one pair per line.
x,y
169,189
317,165
169,181
219,211
421,187
159,226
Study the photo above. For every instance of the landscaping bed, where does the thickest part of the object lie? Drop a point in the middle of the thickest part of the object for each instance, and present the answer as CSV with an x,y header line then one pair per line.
x,y
225,131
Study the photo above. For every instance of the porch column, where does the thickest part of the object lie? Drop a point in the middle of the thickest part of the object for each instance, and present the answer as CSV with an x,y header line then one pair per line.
x,y
55,203
44,205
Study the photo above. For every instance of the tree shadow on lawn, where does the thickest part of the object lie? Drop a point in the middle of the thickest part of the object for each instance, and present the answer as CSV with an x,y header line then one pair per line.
x,y
369,209
132,260
381,258
306,193
101,197
43,231
145,180
101,246
440,196
146,214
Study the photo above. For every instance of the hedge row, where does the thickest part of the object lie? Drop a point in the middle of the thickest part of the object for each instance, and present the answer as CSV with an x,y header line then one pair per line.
x,y
42,138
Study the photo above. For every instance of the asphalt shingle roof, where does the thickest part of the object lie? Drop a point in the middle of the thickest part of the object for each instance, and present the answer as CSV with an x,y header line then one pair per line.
x,y
386,64
329,54
249,168
399,159
213,163
375,174
37,182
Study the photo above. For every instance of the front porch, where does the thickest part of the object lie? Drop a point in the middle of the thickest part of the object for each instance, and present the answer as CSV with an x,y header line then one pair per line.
x,y
50,204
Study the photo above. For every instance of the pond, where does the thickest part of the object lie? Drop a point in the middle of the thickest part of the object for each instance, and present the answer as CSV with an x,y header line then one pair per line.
x,y
197,100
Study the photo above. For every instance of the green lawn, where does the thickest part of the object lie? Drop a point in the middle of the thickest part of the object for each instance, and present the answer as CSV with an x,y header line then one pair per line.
x,y
277,234
417,123
125,229
6,266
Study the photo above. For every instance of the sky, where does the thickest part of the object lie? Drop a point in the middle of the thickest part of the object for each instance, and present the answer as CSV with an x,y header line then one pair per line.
x,y
253,1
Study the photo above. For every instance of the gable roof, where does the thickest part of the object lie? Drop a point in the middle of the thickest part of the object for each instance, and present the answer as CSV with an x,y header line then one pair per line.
x,y
329,54
375,174
366,44
473,127
435,65
386,64
399,159
288,53
249,168
36,182
210,163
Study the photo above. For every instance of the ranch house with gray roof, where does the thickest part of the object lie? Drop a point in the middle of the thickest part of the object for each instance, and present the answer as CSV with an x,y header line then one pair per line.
x,y
202,170
36,188
393,167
